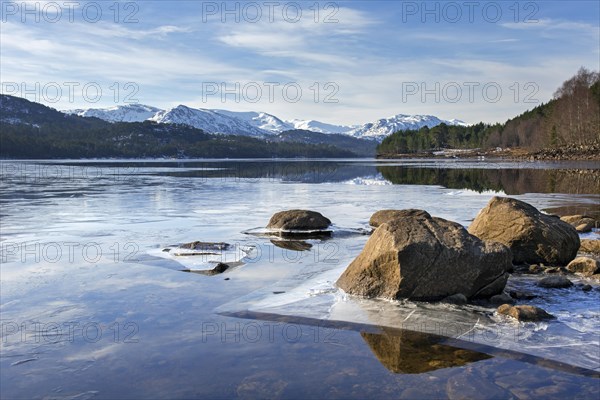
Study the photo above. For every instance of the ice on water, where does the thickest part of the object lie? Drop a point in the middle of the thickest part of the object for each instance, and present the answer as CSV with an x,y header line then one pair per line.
x,y
133,217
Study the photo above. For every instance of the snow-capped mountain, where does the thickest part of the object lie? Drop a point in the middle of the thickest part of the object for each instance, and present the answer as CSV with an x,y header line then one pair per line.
x,y
321,127
252,123
210,121
126,113
260,120
386,126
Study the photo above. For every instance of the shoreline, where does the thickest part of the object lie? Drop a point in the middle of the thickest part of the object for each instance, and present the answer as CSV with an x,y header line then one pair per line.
x,y
571,153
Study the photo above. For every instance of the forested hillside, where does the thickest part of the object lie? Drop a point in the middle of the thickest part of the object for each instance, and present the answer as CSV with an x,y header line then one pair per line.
x,y
570,119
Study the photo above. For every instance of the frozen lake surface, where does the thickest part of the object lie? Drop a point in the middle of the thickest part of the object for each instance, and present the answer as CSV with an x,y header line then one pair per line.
x,y
92,306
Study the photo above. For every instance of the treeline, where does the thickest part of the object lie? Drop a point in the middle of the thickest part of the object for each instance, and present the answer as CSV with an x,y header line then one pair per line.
x,y
439,137
32,130
571,118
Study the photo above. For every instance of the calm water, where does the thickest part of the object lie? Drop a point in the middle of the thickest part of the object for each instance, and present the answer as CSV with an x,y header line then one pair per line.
x,y
92,307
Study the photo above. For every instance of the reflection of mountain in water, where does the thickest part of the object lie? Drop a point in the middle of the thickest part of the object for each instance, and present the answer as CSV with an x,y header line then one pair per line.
x,y
410,352
510,181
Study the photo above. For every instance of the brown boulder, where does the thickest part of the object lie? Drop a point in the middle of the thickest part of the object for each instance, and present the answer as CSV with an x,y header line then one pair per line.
x,y
383,216
590,246
524,313
299,220
420,257
584,265
581,223
532,236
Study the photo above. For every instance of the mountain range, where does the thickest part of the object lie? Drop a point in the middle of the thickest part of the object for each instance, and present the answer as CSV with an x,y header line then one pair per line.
x,y
33,130
257,124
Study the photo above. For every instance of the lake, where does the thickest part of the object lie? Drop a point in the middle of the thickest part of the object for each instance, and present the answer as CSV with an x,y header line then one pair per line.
x,y
93,306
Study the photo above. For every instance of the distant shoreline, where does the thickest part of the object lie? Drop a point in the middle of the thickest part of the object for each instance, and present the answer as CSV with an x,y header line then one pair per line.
x,y
568,153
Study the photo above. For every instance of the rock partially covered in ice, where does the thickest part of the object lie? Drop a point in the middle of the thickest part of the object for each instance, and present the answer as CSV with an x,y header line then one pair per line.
x,y
205,246
585,266
555,282
524,313
590,246
383,216
532,236
581,223
299,220
421,257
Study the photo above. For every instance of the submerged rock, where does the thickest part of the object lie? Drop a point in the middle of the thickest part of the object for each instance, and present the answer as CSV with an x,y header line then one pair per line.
x,y
524,313
532,236
472,384
502,298
581,223
585,266
555,282
383,216
516,294
420,257
299,220
590,246
458,298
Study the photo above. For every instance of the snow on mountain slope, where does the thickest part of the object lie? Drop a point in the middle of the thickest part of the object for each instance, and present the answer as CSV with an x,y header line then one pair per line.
x,y
252,123
260,120
321,127
386,126
209,121
126,113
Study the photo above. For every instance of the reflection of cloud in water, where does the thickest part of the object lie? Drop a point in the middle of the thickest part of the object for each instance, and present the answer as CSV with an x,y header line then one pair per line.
x,y
102,352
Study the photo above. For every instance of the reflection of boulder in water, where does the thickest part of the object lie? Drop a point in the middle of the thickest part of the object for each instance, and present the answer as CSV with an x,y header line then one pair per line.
x,y
409,352
299,235
218,269
295,245
292,235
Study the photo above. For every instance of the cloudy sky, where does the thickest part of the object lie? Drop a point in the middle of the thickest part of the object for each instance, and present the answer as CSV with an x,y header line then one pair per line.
x,y
340,62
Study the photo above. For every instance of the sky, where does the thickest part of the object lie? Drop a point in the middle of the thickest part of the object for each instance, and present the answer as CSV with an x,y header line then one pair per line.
x,y
343,62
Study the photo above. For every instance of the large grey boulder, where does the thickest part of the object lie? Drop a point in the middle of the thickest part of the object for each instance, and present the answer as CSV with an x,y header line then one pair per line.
x,y
298,220
420,257
532,236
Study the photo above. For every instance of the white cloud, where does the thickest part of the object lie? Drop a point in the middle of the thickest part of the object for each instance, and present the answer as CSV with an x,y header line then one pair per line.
x,y
554,25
